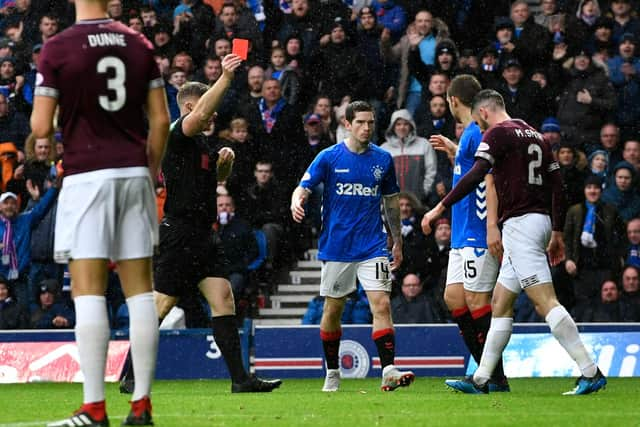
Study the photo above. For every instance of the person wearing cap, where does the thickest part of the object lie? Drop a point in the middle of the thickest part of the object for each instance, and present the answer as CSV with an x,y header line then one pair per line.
x,y
317,139
522,97
15,232
48,312
624,74
588,97
624,19
446,61
6,47
12,314
162,39
447,57
592,244
11,83
550,129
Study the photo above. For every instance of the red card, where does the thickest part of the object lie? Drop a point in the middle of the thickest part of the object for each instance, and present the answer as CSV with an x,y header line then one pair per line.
x,y
241,48
204,161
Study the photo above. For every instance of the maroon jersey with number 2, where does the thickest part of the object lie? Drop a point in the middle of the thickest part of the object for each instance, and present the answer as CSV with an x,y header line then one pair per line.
x,y
101,72
522,163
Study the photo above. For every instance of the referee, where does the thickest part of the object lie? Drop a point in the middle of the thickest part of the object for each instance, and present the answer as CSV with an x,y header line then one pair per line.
x,y
189,260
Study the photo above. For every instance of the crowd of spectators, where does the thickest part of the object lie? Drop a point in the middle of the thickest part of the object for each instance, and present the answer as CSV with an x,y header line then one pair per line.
x,y
570,68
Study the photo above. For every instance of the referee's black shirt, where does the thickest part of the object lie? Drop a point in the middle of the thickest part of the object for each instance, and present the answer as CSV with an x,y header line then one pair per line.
x,y
189,171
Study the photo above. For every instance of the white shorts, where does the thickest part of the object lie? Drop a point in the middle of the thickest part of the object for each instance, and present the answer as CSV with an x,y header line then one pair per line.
x,y
475,268
524,263
106,214
339,278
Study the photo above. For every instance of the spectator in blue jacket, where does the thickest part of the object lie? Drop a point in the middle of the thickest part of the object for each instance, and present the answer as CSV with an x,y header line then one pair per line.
x,y
624,73
624,19
392,16
622,192
15,232
49,313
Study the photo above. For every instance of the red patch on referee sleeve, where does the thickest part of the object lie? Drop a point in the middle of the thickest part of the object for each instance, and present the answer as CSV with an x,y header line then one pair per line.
x,y
204,161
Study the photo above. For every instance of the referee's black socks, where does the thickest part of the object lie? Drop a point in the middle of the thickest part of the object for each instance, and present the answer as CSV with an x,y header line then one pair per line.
x,y
225,332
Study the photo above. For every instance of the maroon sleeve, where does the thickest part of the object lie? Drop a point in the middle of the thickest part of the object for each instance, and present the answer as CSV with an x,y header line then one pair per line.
x,y
47,77
492,145
468,182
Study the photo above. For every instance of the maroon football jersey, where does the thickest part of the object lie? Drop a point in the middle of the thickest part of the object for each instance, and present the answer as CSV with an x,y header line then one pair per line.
x,y
522,163
101,72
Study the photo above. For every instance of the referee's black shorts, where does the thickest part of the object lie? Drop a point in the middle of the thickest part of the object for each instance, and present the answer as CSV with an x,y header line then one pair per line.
x,y
187,254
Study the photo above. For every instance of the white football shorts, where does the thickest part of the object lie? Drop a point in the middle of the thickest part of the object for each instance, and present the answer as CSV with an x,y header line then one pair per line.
x,y
339,278
524,263
106,214
475,268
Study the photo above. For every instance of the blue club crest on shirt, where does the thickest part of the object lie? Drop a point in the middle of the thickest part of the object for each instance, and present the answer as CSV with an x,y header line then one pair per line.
x,y
377,172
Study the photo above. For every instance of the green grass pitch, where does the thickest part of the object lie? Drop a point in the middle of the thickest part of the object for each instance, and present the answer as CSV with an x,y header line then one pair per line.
x,y
533,402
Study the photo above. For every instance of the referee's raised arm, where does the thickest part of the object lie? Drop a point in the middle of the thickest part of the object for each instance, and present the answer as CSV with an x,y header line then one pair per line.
x,y
201,113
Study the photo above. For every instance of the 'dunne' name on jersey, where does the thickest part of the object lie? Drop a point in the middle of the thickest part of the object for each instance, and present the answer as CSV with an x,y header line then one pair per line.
x,y
106,39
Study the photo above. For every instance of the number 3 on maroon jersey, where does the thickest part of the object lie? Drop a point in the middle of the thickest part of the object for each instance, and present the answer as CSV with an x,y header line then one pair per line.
x,y
118,96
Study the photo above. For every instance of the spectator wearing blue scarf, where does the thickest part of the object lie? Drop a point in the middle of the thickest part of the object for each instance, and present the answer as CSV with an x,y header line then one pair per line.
x,y
277,131
592,232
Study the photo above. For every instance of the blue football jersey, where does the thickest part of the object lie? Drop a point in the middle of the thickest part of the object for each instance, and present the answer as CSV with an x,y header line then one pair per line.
x,y
352,228
469,215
